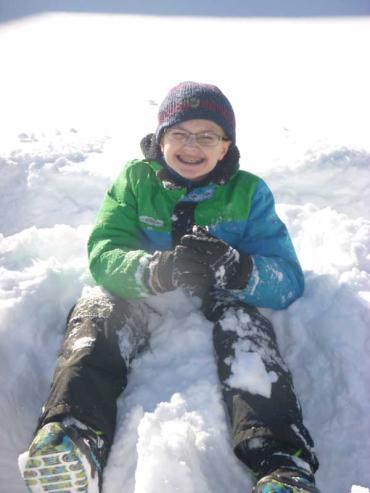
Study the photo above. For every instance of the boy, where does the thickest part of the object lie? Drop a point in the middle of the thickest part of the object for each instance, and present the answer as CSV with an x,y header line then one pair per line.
x,y
185,216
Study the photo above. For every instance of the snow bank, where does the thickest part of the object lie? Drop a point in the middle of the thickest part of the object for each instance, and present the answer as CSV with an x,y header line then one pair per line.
x,y
171,412
38,182
330,177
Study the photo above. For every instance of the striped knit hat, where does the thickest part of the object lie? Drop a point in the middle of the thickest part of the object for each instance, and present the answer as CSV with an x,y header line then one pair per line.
x,y
194,101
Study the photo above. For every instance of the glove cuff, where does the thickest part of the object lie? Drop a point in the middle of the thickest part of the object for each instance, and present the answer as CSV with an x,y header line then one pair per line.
x,y
158,274
245,266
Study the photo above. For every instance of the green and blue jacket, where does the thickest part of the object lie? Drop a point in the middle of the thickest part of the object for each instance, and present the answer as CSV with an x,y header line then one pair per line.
x,y
140,212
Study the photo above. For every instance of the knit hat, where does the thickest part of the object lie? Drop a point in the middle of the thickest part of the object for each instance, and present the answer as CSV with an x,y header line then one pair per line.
x,y
194,101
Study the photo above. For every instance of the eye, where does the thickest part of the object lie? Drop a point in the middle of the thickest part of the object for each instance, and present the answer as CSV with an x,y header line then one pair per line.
x,y
178,135
206,138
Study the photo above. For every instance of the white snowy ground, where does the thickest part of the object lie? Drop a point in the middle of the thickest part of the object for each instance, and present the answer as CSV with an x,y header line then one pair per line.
x,y
300,90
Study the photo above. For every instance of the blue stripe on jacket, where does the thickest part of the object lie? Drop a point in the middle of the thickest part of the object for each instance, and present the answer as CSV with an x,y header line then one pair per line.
x,y
277,278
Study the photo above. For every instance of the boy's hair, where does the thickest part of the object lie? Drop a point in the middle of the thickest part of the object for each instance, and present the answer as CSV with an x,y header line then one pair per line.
x,y
193,101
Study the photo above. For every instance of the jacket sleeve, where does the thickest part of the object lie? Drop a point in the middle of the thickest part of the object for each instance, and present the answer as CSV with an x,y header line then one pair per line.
x,y
115,259
277,278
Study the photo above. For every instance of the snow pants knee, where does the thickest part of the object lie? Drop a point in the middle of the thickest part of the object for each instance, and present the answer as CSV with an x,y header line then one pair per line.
x,y
266,416
104,334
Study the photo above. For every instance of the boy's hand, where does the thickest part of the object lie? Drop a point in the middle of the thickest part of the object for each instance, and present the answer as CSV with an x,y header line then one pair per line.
x,y
199,263
168,270
210,262
191,272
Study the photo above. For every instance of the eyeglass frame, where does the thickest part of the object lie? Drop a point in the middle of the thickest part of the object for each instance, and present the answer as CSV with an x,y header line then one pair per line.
x,y
192,135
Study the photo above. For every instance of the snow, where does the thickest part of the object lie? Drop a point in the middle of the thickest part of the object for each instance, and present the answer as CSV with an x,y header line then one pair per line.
x,y
249,373
72,113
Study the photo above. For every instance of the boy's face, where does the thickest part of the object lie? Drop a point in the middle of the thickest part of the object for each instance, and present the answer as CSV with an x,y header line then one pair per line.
x,y
190,159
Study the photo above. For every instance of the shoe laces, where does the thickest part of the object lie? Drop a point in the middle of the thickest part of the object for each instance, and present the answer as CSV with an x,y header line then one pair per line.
x,y
90,442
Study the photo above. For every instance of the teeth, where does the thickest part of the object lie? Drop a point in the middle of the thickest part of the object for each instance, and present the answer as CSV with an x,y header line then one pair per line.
x,y
190,161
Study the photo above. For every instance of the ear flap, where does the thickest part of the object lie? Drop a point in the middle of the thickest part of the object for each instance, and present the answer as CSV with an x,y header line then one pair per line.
x,y
150,148
232,156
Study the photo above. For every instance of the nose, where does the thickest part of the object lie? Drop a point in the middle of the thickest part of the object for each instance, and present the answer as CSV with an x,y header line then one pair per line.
x,y
191,141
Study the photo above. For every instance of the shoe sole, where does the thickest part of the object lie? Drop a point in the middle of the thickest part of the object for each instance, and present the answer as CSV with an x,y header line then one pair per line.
x,y
59,472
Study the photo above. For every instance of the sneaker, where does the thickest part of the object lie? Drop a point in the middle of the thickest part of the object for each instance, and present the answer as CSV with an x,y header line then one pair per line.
x,y
65,457
285,481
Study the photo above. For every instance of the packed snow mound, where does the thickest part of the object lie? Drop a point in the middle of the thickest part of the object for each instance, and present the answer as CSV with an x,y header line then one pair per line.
x,y
172,431
331,243
331,178
39,178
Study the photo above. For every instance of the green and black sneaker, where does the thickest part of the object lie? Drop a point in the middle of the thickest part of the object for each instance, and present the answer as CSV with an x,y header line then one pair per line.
x,y
285,481
64,458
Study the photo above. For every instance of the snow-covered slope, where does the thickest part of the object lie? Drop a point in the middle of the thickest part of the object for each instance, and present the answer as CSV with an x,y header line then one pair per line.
x,y
172,432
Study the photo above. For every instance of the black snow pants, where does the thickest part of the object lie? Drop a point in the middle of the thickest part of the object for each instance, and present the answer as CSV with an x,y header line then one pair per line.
x,y
104,334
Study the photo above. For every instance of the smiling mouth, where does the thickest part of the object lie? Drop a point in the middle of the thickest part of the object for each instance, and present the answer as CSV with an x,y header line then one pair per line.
x,y
190,162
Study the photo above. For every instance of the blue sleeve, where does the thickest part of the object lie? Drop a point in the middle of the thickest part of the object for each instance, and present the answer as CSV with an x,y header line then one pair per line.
x,y
277,278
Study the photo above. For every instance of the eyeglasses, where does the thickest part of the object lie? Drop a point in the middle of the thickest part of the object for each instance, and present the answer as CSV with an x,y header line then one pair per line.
x,y
203,139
